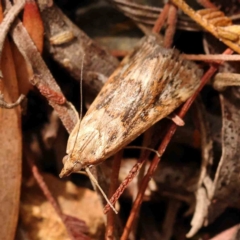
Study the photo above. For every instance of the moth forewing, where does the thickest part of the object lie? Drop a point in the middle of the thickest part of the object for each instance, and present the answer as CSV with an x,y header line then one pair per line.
x,y
147,86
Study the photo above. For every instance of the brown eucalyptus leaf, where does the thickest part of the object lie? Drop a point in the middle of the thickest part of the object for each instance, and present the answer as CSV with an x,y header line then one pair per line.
x,y
71,48
10,150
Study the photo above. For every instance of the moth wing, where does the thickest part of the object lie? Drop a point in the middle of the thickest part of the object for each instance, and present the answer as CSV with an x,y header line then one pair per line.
x,y
148,85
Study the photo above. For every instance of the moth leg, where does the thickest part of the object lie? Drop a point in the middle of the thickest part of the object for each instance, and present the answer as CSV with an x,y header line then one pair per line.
x,y
146,148
176,119
4,104
223,80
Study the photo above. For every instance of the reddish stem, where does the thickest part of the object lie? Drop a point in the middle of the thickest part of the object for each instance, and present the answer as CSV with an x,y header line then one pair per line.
x,y
113,186
171,26
171,130
119,53
161,19
211,57
206,3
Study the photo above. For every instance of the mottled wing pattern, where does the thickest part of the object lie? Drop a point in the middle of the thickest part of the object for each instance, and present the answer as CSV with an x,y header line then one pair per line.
x,y
147,86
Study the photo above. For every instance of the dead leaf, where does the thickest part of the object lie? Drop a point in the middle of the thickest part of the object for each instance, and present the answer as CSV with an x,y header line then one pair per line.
x,y
205,184
227,178
42,222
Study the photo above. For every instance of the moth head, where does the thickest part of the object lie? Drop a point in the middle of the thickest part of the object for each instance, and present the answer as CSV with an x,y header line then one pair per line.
x,y
69,166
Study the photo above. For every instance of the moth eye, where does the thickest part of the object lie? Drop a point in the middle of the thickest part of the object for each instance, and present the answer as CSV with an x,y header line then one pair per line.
x,y
77,167
65,158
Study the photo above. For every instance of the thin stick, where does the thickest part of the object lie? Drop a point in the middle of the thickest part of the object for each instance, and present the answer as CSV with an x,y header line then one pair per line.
x,y
206,3
211,57
93,179
223,80
161,19
170,219
131,175
119,53
171,26
114,183
171,130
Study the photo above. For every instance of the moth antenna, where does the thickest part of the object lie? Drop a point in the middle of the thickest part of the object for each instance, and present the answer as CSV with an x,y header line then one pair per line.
x,y
93,179
140,147
81,92
81,103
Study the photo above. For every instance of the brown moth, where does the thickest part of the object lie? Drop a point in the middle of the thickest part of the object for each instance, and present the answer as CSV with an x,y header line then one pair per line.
x,y
146,87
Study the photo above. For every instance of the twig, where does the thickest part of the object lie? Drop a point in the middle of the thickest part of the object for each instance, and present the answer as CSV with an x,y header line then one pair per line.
x,y
206,3
205,23
167,138
161,19
4,104
131,175
119,53
170,217
113,186
171,26
211,57
6,24
223,80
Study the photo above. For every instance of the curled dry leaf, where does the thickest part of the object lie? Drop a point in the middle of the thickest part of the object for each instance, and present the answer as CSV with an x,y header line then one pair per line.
x,y
226,194
204,184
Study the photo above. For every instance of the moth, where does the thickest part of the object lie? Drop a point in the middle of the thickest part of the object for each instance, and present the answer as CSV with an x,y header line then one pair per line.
x,y
147,86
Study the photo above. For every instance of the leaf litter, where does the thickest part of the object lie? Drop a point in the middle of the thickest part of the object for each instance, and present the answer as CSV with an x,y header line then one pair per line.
x,y
192,189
